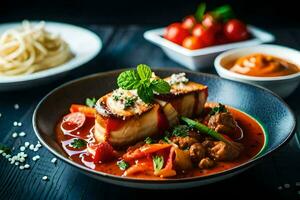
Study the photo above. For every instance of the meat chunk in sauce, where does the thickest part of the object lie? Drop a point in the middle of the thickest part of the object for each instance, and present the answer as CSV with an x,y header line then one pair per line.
x,y
197,152
225,152
222,122
206,163
184,142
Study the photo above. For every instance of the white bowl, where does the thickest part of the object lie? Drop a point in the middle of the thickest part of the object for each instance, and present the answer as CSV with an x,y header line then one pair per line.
x,y
200,58
281,85
84,44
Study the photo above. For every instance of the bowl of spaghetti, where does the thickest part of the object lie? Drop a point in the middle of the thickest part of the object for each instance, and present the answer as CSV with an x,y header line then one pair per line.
x,y
33,52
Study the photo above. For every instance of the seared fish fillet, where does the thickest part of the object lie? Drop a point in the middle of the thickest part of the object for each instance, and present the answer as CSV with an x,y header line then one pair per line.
x,y
122,127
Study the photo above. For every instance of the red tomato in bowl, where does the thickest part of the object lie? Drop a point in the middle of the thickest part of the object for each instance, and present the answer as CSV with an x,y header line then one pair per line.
x,y
193,42
235,30
208,20
189,22
176,33
198,30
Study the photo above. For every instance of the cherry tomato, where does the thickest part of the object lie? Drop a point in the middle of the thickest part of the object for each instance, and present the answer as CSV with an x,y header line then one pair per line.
x,y
189,22
104,152
221,38
208,20
209,37
198,30
73,121
235,30
176,33
192,42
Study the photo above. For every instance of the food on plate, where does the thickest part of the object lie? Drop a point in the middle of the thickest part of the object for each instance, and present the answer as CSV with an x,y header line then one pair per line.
x,y
31,48
207,28
155,127
262,65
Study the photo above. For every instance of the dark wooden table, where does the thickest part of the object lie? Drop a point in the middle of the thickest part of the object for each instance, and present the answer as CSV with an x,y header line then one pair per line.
x,y
275,177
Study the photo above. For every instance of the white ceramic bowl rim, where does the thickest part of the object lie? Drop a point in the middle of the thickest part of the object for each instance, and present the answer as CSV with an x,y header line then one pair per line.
x,y
223,70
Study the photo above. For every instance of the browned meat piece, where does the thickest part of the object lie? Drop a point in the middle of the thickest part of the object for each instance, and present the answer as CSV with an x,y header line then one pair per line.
x,y
222,122
184,142
208,143
225,152
206,163
197,152
196,135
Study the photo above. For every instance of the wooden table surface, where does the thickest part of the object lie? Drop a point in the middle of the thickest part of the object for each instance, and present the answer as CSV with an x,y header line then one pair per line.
x,y
277,176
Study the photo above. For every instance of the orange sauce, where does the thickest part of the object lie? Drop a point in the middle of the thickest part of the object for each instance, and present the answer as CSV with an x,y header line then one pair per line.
x,y
262,65
253,142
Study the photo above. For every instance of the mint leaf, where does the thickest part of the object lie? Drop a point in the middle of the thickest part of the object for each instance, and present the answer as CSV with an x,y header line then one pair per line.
x,y
128,80
144,71
122,165
160,86
145,93
200,12
158,162
78,143
90,102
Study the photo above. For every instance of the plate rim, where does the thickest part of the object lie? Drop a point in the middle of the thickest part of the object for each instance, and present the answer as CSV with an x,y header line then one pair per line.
x,y
60,69
104,176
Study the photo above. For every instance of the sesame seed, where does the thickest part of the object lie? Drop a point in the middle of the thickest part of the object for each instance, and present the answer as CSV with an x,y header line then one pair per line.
x,y
26,166
38,145
8,156
31,147
54,160
26,144
15,123
22,134
45,178
35,149
17,163
14,135
21,167
19,123
22,148
286,185
16,106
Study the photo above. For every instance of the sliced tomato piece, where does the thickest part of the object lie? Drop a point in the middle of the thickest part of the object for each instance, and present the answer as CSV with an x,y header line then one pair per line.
x,y
104,152
73,121
87,111
144,151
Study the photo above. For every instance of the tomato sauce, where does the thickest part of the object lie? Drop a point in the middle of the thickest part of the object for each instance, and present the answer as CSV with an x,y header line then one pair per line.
x,y
262,65
253,142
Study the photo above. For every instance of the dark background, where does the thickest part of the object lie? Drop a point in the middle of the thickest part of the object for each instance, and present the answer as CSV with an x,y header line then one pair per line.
x,y
264,13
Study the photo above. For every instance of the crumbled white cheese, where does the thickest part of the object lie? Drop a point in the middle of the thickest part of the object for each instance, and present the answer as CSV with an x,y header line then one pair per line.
x,y
26,166
31,147
14,135
26,144
177,78
22,134
45,178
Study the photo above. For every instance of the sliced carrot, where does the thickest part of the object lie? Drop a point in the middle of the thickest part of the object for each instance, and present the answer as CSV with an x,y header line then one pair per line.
x,y
144,151
87,111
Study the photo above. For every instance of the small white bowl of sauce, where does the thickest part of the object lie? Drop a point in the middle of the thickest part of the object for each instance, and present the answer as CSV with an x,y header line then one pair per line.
x,y
271,66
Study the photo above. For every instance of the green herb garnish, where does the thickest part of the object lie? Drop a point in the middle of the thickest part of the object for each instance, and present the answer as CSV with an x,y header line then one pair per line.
x,y
78,143
5,149
90,102
158,162
200,12
116,97
122,165
181,131
129,102
140,79
218,109
149,140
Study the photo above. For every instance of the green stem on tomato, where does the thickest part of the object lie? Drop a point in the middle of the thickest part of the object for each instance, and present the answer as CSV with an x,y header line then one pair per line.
x,y
223,12
204,129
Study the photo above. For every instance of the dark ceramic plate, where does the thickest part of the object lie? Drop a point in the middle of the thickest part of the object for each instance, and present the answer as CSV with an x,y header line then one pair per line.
x,y
276,117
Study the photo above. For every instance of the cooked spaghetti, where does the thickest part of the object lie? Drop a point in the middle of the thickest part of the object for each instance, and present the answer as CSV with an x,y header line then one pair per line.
x,y
31,48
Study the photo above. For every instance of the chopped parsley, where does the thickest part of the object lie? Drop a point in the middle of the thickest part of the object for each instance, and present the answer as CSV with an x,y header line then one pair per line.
x,y
158,163
166,139
129,102
78,143
181,131
90,102
149,140
116,97
218,109
122,165
5,149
